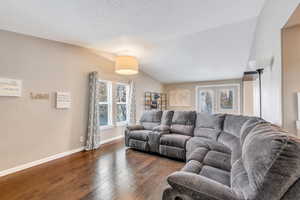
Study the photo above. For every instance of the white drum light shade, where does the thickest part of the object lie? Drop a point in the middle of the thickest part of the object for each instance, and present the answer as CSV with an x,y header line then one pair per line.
x,y
126,65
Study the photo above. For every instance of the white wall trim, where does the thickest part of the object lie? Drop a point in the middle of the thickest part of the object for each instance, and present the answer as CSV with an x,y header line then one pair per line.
x,y
38,162
111,139
50,158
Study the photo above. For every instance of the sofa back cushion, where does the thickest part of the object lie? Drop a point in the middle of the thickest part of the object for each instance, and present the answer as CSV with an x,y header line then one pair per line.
x,y
183,122
208,125
166,118
230,136
151,119
234,123
269,166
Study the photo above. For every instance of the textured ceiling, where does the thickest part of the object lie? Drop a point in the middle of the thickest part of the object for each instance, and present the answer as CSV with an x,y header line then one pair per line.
x,y
175,40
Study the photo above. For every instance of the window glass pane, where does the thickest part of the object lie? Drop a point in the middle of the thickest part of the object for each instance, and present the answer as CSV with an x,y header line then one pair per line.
x,y
121,93
103,114
121,112
103,92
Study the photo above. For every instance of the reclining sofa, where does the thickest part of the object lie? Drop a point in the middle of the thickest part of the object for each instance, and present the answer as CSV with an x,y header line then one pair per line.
x,y
228,157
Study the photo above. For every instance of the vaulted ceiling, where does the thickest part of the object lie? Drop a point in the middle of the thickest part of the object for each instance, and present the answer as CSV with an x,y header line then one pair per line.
x,y
175,40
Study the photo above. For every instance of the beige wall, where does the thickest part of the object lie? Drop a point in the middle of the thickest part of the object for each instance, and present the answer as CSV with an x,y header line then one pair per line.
x,y
34,129
192,87
248,92
291,77
267,44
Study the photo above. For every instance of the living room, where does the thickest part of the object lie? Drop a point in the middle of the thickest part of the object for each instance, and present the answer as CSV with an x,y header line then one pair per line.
x,y
123,100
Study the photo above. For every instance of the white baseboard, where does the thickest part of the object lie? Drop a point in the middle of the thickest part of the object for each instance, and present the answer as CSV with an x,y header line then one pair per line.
x,y
111,139
38,162
50,158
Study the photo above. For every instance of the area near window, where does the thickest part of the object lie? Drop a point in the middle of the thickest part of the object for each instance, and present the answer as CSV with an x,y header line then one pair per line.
x,y
113,103
122,91
105,106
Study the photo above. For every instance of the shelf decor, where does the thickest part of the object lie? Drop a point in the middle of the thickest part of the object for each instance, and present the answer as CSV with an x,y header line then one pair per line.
x,y
155,101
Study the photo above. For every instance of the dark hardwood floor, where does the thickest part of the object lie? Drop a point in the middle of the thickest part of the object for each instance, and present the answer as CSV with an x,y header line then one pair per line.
x,y
110,173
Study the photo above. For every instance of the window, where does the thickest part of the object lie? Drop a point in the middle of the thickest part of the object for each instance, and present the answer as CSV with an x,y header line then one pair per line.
x,y
121,102
105,103
113,111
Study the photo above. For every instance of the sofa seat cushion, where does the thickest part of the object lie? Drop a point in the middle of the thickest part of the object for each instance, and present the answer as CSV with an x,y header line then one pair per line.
x,y
150,125
216,174
196,142
192,166
140,135
198,154
190,186
139,145
172,152
174,140
211,158
218,159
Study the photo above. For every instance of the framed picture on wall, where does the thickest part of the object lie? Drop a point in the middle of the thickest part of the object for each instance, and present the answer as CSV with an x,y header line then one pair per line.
x,y
218,98
226,100
206,99
180,98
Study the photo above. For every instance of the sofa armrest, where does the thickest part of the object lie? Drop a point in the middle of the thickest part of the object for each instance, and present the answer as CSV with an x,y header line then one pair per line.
x,y
135,127
154,139
200,187
162,128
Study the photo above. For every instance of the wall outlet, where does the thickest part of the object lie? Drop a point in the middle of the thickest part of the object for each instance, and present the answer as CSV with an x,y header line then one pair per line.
x,y
81,139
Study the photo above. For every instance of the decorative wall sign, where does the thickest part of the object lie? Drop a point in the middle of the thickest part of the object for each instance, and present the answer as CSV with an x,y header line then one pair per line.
x,y
218,99
180,97
10,87
63,100
39,96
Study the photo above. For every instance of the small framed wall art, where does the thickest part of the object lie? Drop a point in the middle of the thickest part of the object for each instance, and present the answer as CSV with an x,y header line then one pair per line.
x,y
10,87
63,100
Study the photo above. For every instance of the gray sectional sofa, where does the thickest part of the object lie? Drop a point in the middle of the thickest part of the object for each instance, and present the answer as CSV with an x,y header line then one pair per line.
x,y
228,157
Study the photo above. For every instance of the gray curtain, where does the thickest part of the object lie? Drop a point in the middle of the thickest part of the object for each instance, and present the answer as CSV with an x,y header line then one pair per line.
x,y
93,134
132,104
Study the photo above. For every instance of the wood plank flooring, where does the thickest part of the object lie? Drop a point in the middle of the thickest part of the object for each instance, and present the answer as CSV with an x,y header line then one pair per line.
x,y
110,173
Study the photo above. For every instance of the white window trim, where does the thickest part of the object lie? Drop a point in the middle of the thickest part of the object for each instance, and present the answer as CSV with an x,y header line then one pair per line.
x,y
109,104
107,127
123,123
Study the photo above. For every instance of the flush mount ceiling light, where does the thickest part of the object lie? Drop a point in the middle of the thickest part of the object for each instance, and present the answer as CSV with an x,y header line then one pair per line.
x,y
126,65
